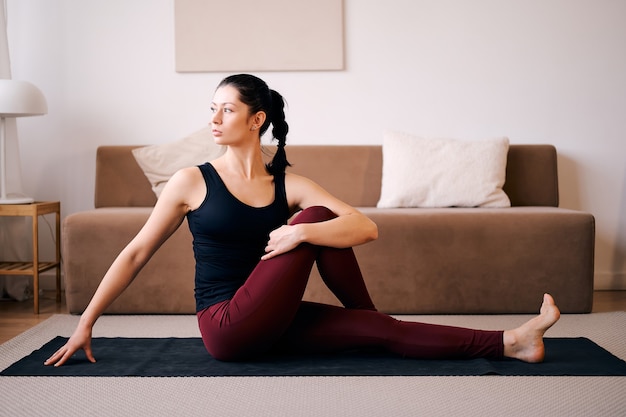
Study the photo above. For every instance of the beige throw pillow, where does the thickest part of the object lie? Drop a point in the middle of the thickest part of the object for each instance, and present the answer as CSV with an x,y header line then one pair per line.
x,y
424,172
160,162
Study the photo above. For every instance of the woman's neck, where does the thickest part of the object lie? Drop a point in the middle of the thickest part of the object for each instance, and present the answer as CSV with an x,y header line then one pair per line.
x,y
244,162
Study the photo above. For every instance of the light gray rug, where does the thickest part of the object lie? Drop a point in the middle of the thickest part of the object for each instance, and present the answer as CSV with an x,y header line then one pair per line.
x,y
312,396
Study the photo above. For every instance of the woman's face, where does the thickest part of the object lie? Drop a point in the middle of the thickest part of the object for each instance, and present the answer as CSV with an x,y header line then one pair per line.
x,y
231,122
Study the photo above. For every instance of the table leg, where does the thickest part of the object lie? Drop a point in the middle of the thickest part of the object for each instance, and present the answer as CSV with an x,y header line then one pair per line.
x,y
36,263
58,255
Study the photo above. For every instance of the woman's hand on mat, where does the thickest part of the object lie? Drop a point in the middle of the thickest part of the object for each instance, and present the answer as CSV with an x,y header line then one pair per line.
x,y
81,339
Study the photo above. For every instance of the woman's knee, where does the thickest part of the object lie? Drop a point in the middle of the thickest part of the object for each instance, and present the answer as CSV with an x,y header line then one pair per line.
x,y
314,214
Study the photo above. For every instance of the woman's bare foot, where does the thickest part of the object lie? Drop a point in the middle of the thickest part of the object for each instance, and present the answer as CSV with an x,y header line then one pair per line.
x,y
526,342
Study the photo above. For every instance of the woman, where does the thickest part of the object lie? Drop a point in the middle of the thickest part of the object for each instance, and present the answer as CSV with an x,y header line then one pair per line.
x,y
252,268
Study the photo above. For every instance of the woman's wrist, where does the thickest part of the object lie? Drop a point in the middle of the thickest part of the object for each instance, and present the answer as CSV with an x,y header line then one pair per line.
x,y
86,321
303,232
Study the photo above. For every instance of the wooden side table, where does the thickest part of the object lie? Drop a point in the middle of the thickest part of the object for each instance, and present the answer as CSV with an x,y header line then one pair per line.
x,y
34,268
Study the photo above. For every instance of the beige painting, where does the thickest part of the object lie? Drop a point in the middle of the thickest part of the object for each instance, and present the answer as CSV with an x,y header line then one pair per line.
x,y
260,35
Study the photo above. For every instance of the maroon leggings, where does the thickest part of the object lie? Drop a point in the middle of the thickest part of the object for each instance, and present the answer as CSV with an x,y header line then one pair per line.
x,y
267,313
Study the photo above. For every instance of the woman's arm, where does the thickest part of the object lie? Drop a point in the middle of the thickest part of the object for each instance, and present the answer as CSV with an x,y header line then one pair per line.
x,y
166,217
350,228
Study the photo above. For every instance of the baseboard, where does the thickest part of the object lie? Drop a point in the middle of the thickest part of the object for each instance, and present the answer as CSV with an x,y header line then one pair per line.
x,y
610,281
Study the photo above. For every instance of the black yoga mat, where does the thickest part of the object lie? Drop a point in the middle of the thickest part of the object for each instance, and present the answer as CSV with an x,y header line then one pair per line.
x,y
179,357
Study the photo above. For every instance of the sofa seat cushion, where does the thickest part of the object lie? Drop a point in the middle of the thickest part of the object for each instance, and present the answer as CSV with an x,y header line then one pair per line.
x,y
91,241
425,261
476,261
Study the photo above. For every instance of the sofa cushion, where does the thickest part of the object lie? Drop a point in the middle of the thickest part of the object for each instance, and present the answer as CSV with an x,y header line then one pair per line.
x,y
474,260
425,172
350,172
160,162
92,239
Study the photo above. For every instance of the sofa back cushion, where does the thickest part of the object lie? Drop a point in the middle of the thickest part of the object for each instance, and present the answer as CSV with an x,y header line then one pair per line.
x,y
353,173
120,182
350,172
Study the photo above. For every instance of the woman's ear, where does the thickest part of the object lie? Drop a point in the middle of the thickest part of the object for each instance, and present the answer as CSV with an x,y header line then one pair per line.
x,y
258,119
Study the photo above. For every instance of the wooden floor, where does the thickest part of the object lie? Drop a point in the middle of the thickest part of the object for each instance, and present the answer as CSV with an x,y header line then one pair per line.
x,y
17,317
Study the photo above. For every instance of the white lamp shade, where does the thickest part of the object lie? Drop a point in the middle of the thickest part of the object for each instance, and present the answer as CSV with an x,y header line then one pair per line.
x,y
17,99
21,98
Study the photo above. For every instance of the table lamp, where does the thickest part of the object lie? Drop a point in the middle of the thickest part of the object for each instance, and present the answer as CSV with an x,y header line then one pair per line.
x,y
17,99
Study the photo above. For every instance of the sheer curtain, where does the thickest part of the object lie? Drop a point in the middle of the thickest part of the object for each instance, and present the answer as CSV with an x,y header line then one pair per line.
x,y
15,241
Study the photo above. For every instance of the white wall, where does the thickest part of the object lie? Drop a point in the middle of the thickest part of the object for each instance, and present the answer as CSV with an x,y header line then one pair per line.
x,y
537,71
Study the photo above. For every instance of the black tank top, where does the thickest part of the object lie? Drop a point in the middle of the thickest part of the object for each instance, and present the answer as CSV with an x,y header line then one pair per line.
x,y
229,237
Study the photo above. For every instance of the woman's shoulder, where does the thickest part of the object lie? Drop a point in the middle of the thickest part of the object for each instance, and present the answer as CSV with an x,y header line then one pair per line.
x,y
186,185
298,184
186,175
297,180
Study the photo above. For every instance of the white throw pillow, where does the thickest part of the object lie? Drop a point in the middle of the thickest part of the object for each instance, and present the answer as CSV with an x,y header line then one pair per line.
x,y
424,172
160,162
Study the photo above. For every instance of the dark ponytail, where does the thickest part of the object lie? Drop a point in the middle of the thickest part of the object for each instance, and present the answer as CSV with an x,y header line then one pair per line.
x,y
279,132
255,93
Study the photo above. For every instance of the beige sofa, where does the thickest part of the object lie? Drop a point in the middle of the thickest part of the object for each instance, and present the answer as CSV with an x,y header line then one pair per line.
x,y
439,261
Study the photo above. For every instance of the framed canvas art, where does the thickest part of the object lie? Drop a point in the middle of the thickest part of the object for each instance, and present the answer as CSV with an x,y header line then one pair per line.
x,y
252,35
